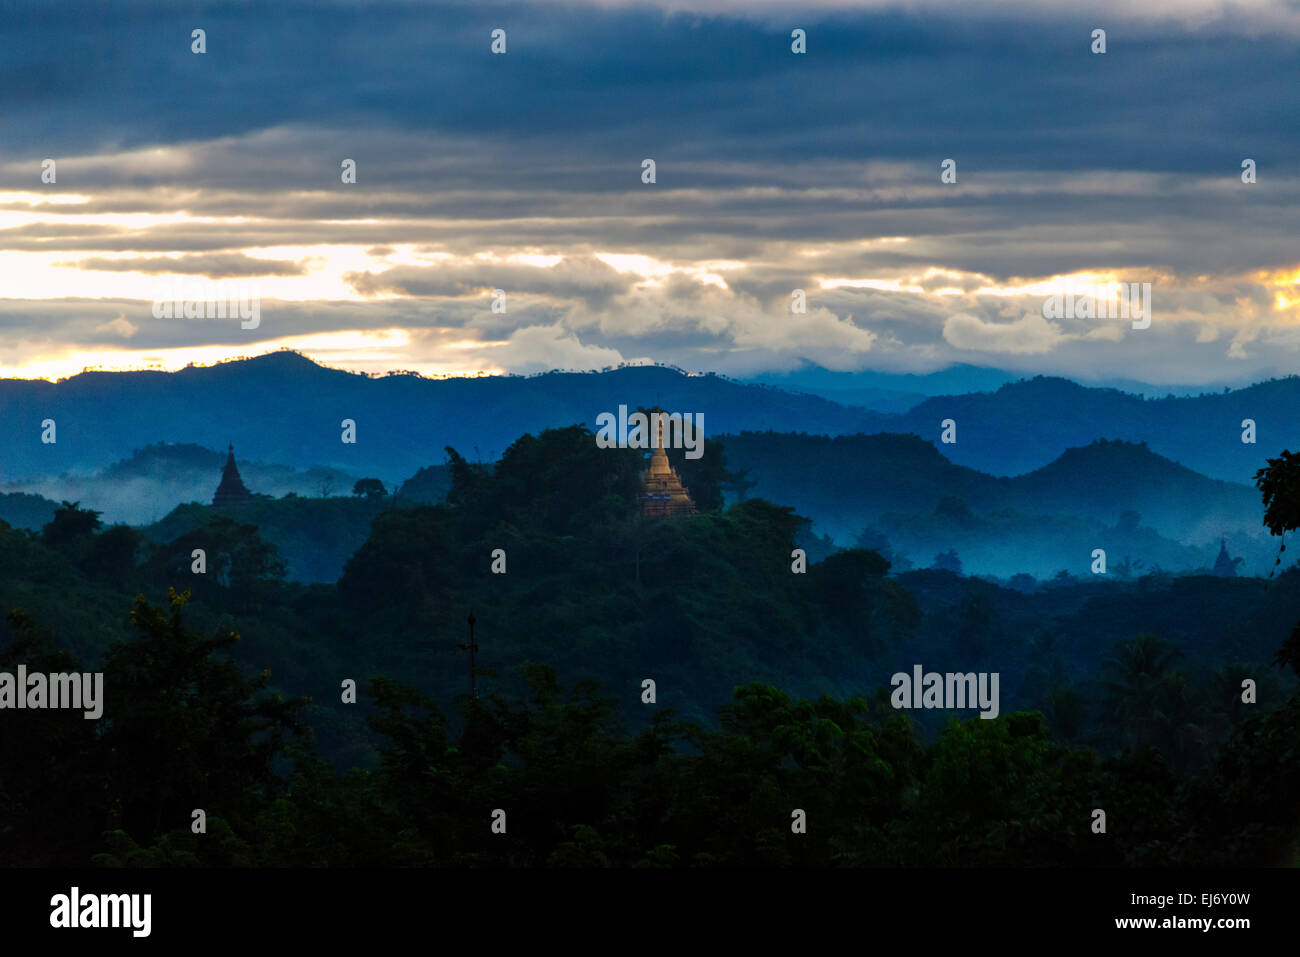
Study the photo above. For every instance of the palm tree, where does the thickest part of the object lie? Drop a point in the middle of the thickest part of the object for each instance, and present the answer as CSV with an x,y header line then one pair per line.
x,y
1180,716
1065,711
1131,678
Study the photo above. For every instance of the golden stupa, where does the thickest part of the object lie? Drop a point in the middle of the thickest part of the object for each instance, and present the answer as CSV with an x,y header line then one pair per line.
x,y
662,493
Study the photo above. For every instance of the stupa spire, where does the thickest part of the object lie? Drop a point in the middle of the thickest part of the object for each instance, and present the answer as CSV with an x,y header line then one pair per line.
x,y
232,490
662,492
1225,566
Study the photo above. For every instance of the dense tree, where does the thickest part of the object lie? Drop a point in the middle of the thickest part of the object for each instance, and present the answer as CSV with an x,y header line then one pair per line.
x,y
948,562
369,488
1279,485
51,791
770,696
181,728
243,570
116,553
185,728
72,526
707,478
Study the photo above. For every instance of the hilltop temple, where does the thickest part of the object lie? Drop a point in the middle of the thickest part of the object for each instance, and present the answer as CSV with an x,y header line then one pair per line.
x,y
1225,566
662,493
231,491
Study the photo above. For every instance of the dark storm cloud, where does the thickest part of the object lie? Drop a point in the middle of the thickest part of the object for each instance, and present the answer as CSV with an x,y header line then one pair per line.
x,y
584,91
1007,230
92,322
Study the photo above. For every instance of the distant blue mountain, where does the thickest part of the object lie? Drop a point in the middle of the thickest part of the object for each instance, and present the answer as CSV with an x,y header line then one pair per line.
x,y
1024,425
285,409
897,392
886,391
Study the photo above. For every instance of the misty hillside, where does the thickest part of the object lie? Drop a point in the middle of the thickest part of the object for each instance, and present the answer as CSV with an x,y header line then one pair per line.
x,y
850,481
314,535
1031,450
151,481
896,493
311,516
1007,543
25,510
1114,495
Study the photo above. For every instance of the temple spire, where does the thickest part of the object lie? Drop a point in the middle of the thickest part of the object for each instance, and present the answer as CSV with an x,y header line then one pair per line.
x,y
662,492
232,490
1225,566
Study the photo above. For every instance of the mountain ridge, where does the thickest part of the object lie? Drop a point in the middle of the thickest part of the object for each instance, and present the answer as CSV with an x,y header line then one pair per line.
x,y
286,408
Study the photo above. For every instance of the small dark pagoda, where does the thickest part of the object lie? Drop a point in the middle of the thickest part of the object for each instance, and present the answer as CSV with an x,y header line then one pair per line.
x,y
1225,566
231,491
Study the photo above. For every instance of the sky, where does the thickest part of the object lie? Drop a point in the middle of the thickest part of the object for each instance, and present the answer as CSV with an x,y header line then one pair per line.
x,y
190,175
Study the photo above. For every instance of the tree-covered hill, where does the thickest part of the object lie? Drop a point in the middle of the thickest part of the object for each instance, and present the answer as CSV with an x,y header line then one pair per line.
x,y
1024,425
1127,692
1114,495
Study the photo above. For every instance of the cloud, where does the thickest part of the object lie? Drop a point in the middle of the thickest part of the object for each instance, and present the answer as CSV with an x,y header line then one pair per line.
x,y
118,326
540,348
1026,336
775,172
574,277
1252,17
214,266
